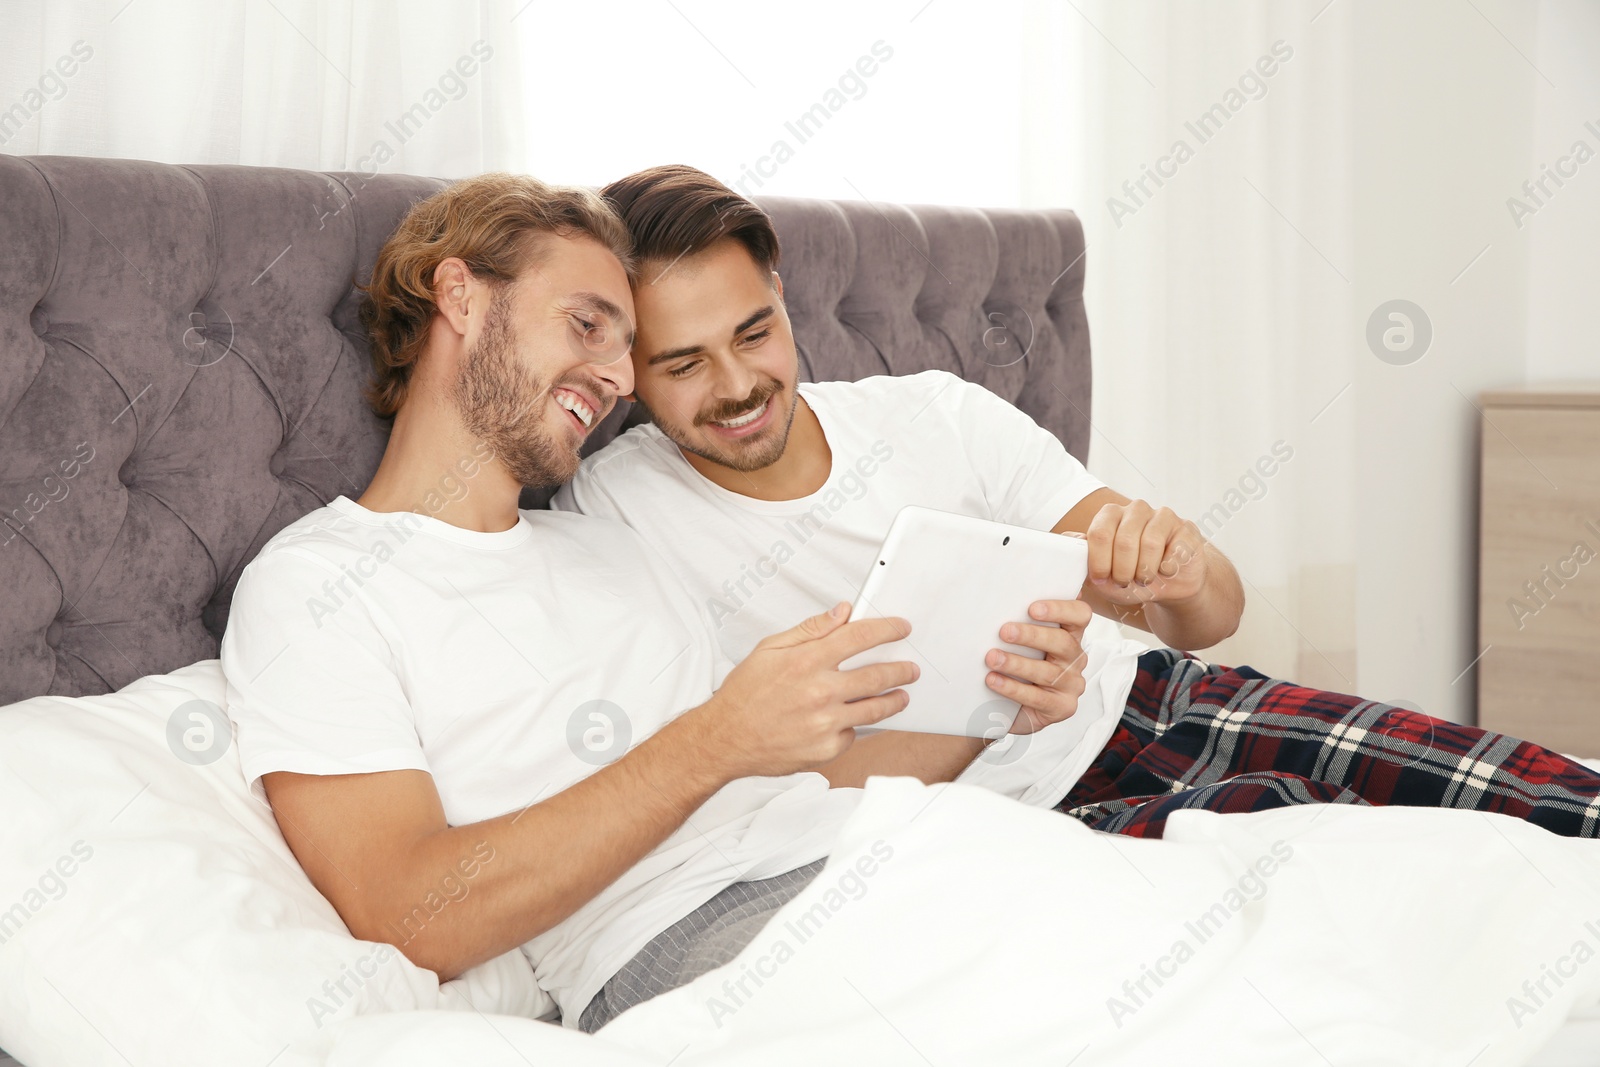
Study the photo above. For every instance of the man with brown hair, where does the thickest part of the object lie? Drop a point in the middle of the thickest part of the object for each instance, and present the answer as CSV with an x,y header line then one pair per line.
x,y
437,691
768,497
801,480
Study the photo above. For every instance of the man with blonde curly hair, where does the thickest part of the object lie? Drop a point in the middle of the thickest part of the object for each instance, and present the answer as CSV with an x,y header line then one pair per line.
x,y
482,728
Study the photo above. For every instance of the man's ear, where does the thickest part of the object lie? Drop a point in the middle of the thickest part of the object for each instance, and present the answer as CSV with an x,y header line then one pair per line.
x,y
777,284
457,294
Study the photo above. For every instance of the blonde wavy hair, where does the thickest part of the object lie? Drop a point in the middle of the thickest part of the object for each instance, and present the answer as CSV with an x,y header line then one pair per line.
x,y
493,223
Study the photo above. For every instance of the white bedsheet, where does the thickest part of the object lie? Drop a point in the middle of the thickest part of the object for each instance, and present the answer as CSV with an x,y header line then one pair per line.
x,y
1000,934
985,932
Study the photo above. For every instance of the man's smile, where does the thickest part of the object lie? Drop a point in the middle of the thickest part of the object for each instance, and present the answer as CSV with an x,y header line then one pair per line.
x,y
580,407
751,422
747,418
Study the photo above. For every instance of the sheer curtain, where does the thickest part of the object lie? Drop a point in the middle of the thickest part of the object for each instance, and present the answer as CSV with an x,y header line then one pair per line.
x,y
1217,295
1207,147
408,87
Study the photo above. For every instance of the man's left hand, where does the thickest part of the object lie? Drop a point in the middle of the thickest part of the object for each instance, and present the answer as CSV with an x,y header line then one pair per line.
x,y
1048,689
1141,555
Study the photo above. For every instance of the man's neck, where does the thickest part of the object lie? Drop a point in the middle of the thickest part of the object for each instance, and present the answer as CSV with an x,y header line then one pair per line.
x,y
429,460
801,470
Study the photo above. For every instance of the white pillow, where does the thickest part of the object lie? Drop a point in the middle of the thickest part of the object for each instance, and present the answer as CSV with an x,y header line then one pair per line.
x,y
150,910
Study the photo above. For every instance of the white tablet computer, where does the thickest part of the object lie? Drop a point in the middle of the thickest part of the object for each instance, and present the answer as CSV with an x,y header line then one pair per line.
x,y
957,580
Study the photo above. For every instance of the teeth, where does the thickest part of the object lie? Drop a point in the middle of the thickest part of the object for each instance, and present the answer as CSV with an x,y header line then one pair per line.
x,y
577,407
745,420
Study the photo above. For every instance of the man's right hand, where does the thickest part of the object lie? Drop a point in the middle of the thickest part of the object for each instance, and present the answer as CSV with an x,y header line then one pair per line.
x,y
788,707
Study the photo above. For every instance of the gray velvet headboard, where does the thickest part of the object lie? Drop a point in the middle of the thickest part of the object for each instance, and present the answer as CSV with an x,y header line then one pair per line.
x,y
181,362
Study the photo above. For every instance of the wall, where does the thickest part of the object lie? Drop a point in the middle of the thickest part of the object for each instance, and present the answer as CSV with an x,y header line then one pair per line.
x,y
1563,238
1446,135
1444,109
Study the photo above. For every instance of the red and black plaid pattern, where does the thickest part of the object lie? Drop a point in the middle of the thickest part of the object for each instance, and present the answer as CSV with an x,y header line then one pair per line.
x,y
1232,740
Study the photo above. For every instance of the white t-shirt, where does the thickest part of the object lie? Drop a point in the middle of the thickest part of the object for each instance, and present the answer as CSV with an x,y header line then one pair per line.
x,y
509,666
760,566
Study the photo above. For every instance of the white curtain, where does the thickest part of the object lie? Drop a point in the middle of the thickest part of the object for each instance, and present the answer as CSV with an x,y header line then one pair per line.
x,y
1228,304
1207,150
411,87
1215,299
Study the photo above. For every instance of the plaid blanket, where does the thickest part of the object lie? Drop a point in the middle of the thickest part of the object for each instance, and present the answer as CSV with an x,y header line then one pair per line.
x,y
1230,739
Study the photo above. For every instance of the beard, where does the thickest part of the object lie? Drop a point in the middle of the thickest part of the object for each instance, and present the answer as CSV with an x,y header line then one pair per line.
x,y
736,455
502,402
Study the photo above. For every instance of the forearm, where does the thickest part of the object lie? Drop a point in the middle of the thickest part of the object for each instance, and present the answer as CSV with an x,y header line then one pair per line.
x,y
933,758
379,848
539,865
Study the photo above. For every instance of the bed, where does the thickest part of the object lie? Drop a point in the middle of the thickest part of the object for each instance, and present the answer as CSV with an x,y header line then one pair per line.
x,y
180,365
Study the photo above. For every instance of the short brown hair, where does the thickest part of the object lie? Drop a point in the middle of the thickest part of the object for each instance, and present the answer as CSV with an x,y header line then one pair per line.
x,y
492,223
673,211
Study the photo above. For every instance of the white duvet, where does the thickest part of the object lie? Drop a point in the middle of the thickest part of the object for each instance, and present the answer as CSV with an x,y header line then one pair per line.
x,y
951,926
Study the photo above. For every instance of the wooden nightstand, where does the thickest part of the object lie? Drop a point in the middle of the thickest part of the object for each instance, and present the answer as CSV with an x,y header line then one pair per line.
x,y
1539,566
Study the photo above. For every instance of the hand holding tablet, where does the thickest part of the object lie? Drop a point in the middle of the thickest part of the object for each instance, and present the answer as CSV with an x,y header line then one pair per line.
x,y
958,580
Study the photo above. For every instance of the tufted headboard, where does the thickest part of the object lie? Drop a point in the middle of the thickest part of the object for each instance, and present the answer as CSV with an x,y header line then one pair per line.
x,y
181,363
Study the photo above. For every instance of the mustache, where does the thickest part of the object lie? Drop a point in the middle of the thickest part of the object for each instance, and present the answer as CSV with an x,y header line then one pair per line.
x,y
732,409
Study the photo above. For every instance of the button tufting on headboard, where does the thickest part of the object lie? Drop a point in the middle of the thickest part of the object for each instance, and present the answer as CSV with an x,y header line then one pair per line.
x,y
181,363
